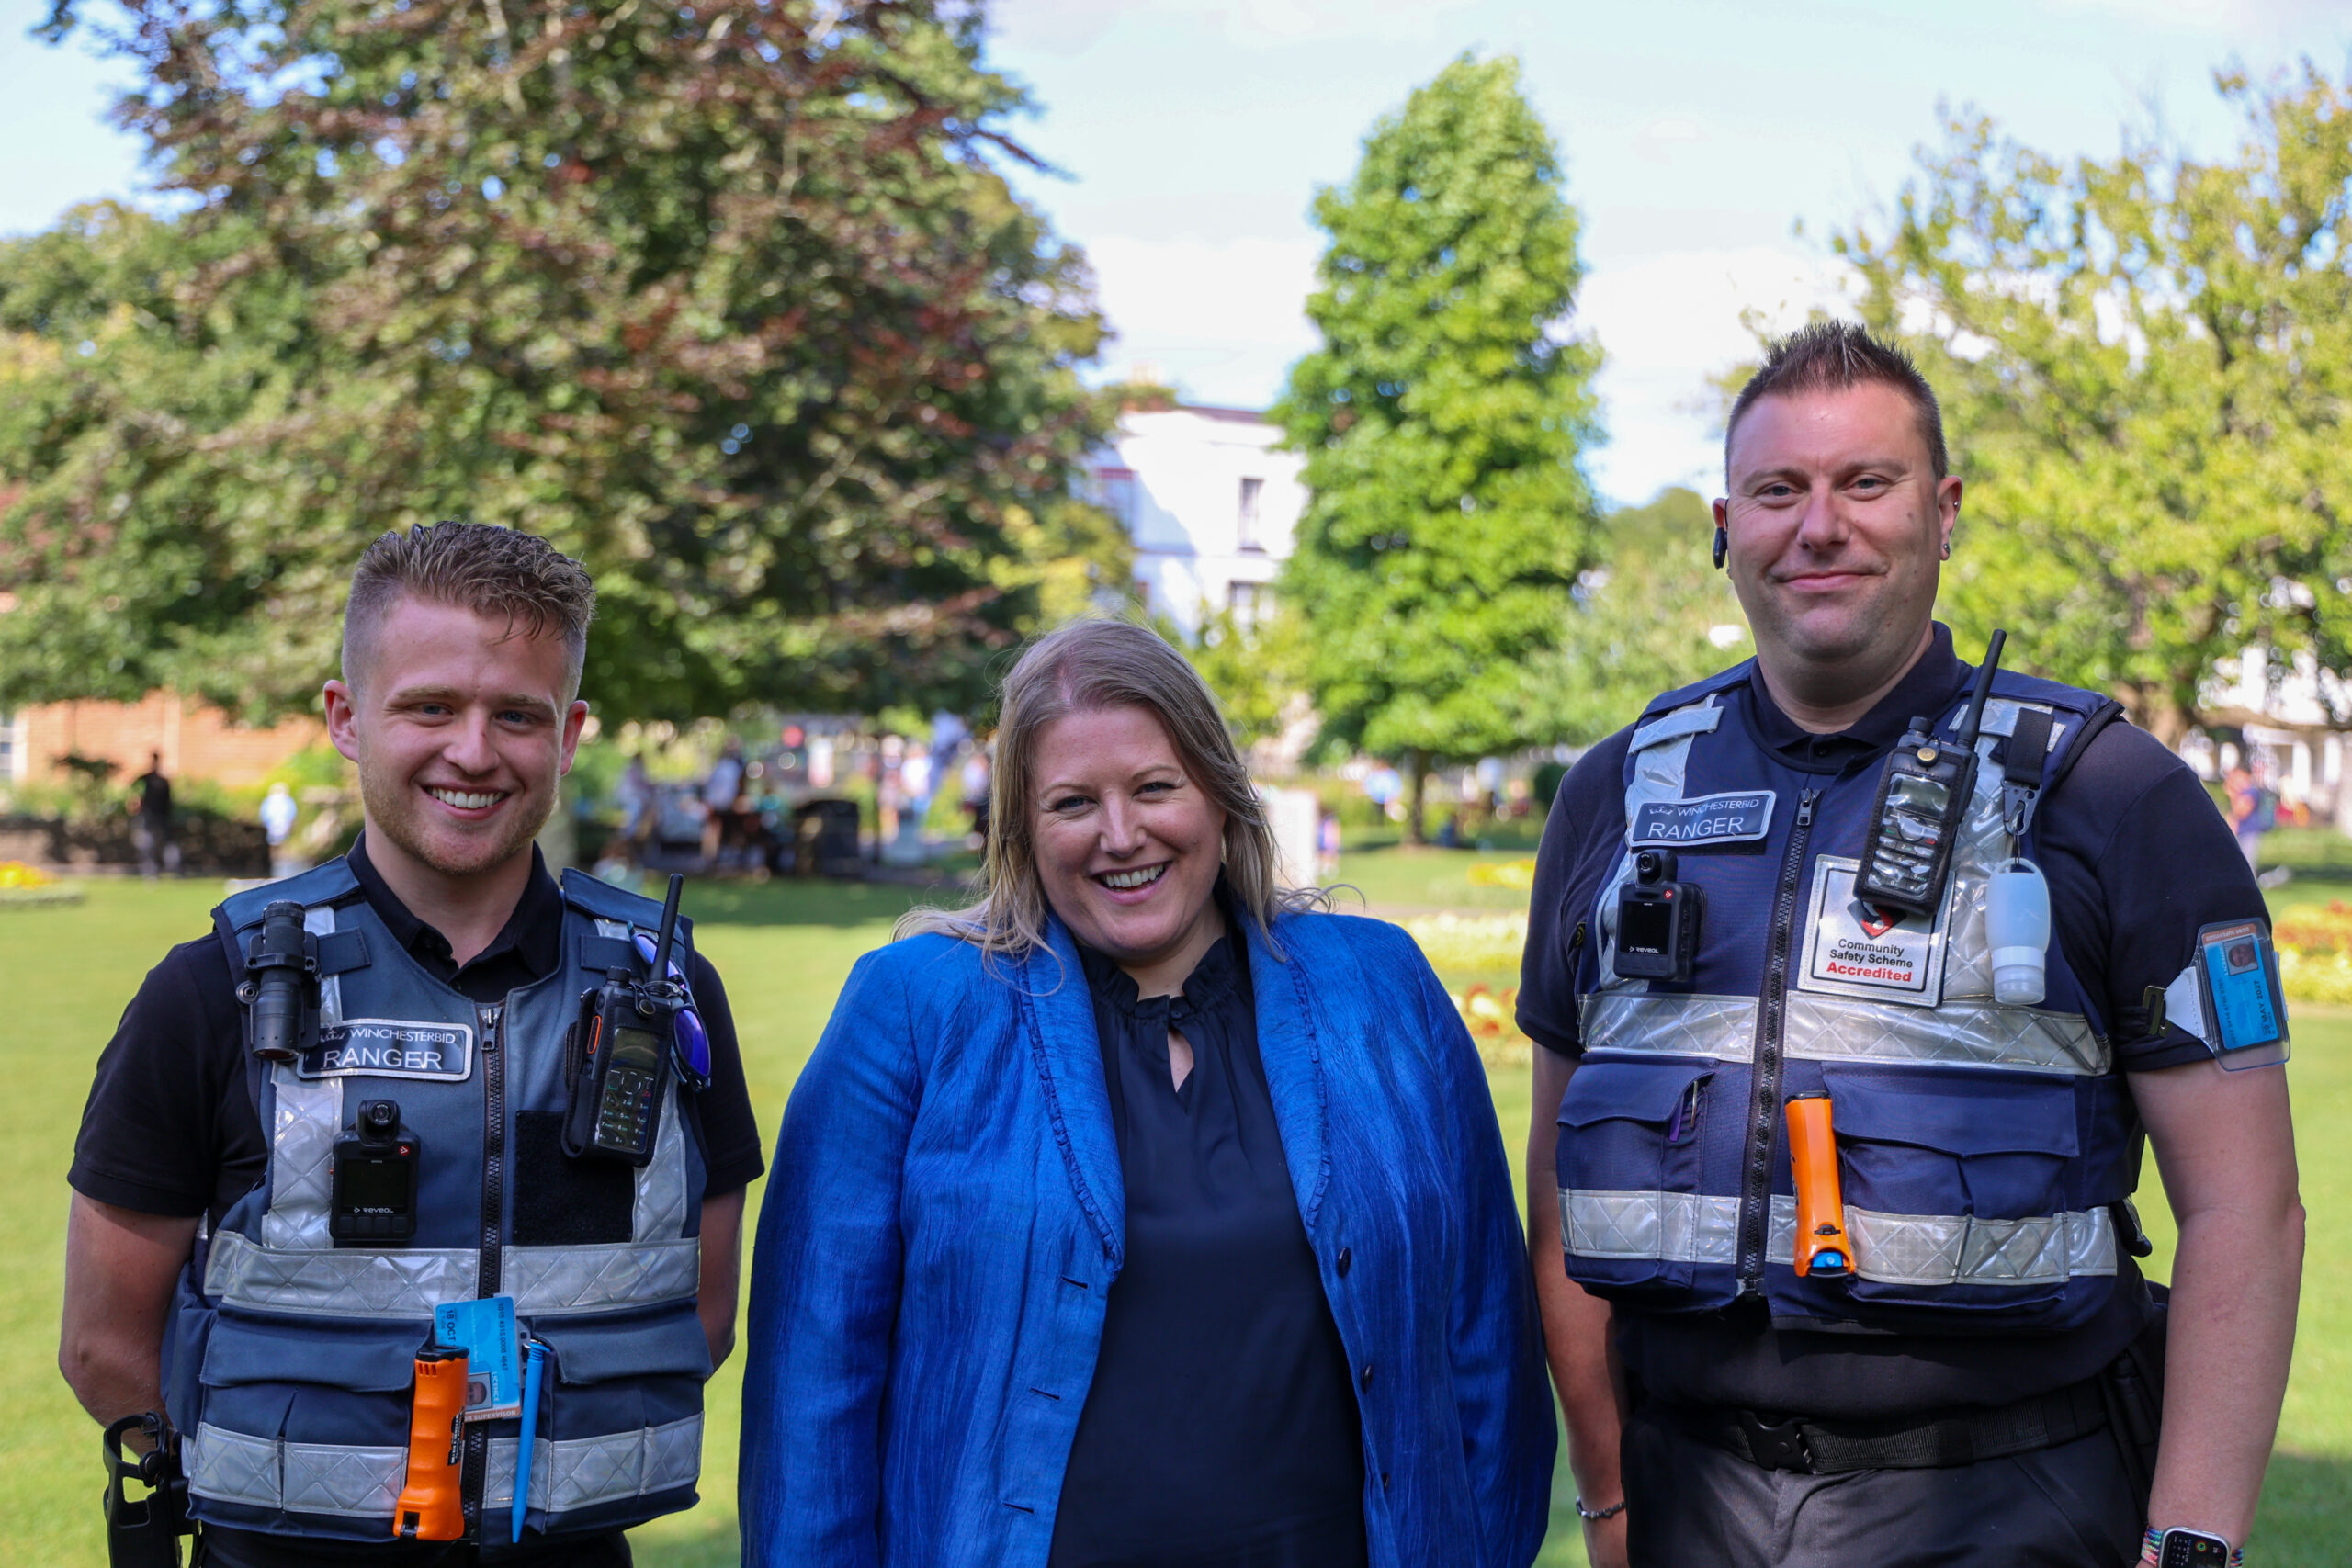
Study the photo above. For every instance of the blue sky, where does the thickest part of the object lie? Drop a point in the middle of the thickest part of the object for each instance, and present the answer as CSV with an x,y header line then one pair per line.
x,y
1697,134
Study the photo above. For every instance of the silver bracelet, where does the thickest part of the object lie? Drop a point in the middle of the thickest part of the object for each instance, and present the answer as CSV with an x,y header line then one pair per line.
x,y
1594,1516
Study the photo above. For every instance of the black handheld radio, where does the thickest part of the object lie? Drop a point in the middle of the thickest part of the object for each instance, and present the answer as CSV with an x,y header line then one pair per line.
x,y
281,983
622,1062
1923,799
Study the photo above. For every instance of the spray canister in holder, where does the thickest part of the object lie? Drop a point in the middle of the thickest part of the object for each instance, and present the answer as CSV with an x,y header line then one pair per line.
x,y
1821,1244
432,1504
2016,930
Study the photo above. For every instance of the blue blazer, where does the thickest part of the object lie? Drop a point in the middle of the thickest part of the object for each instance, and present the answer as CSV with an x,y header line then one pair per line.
x,y
945,1216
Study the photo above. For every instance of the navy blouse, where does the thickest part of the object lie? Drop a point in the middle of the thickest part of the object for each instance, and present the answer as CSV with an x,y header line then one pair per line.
x,y
1221,1429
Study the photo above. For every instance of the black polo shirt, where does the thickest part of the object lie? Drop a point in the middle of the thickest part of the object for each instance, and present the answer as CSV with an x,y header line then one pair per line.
x,y
2137,859
170,1128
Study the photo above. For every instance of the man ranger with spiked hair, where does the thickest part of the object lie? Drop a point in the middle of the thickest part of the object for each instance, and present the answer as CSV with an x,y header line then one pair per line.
x,y
342,1139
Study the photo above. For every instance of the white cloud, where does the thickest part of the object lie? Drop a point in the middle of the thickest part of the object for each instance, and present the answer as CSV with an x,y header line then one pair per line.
x,y
1669,324
1068,27
1658,141
1223,318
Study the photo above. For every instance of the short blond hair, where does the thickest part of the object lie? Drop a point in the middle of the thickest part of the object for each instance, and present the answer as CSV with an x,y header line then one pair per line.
x,y
495,573
1084,667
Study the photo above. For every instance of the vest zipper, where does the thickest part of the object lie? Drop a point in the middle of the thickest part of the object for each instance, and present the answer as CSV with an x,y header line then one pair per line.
x,y
490,1017
1771,1020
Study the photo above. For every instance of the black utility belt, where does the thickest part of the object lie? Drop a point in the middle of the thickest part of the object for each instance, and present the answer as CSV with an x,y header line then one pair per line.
x,y
1936,1442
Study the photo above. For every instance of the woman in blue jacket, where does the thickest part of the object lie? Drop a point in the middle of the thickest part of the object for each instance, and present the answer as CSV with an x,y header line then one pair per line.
x,y
1142,1212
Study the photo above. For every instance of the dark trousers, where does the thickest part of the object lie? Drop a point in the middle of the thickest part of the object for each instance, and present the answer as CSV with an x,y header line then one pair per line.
x,y
1693,1505
254,1549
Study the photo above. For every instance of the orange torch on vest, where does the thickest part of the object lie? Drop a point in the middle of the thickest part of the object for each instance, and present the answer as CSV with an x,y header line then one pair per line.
x,y
432,1504
1821,1207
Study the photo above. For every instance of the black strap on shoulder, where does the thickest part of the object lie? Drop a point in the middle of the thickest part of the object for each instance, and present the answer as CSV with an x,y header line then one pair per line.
x,y
341,951
2021,760
605,953
2106,713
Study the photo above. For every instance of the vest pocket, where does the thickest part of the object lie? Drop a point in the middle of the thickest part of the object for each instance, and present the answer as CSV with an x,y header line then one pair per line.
x,y
1631,1218
1955,1188
306,1419
620,1436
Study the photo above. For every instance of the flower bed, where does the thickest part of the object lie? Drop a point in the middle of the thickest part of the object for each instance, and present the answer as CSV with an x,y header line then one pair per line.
x,y
22,884
2315,953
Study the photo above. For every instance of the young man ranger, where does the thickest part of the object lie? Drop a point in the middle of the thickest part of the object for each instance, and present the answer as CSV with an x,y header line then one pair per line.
x,y
1977,1387
223,1262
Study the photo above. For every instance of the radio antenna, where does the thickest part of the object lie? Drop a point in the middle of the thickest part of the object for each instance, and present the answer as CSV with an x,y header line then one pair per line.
x,y
669,929
1976,718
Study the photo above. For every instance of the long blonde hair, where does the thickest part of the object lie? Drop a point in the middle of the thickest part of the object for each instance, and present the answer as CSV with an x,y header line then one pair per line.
x,y
1084,667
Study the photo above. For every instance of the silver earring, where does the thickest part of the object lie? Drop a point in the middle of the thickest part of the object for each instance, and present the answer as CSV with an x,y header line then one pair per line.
x,y
1947,554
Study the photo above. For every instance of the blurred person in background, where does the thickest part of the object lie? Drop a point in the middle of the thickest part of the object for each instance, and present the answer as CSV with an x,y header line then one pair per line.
x,y
1141,1213
278,813
721,787
150,822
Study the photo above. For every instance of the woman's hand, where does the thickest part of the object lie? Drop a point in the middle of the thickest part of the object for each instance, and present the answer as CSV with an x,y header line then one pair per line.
x,y
1605,1543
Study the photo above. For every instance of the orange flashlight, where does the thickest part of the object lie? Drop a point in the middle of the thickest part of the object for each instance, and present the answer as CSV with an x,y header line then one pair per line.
x,y
1821,1207
432,1504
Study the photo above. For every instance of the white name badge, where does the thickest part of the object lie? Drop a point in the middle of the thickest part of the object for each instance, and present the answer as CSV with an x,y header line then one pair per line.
x,y
1858,949
390,1048
1734,818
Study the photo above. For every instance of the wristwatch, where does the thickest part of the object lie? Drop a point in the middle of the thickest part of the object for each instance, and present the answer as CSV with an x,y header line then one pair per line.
x,y
2178,1547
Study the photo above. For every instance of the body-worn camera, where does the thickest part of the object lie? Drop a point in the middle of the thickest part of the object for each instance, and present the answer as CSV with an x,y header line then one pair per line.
x,y
375,1179
622,1061
1657,921
1923,799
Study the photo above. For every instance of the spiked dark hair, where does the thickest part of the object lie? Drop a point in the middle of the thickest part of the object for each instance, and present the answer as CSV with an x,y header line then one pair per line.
x,y
1830,356
494,572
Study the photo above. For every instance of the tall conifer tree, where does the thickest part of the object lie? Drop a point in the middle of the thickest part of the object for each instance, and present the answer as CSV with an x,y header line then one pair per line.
x,y
1442,422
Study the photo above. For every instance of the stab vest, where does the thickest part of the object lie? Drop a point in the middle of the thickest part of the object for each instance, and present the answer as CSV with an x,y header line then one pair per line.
x,y
1985,1151
289,1359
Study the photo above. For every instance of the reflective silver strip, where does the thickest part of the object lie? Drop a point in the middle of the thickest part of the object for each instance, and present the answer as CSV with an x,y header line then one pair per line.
x,y
1894,1249
349,1282
661,1209
305,1118
1638,1022
1673,1227
303,1478
337,1282
1661,753
556,1282
1842,1029
579,1472
1698,718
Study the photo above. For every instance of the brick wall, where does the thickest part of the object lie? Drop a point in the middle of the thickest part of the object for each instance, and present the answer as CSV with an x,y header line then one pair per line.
x,y
197,742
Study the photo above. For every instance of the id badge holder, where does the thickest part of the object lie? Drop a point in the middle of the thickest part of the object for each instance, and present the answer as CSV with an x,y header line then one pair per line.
x,y
2237,976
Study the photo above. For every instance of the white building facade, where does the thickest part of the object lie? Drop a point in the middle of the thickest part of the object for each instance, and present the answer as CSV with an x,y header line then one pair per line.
x,y
1211,505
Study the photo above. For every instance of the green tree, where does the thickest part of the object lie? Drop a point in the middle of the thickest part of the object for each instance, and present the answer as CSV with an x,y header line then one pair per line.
x,y
1258,668
2145,363
730,301
1654,613
1442,419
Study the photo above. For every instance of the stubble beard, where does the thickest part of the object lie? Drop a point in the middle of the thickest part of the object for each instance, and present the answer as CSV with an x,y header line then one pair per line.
x,y
393,812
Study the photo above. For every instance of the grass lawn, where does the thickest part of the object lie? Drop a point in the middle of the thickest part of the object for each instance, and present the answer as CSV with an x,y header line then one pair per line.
x,y
785,950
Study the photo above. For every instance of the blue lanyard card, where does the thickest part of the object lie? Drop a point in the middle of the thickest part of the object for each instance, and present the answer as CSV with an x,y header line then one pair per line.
x,y
2237,970
484,1330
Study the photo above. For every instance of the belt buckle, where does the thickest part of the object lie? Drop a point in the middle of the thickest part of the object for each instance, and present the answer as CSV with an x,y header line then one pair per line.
x,y
1775,1444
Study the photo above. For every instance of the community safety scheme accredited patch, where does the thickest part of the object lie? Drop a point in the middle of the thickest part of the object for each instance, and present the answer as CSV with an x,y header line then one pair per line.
x,y
1860,950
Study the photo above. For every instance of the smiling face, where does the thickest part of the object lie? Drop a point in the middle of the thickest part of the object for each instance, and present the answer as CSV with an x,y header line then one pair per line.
x,y
1127,844
459,732
1836,525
